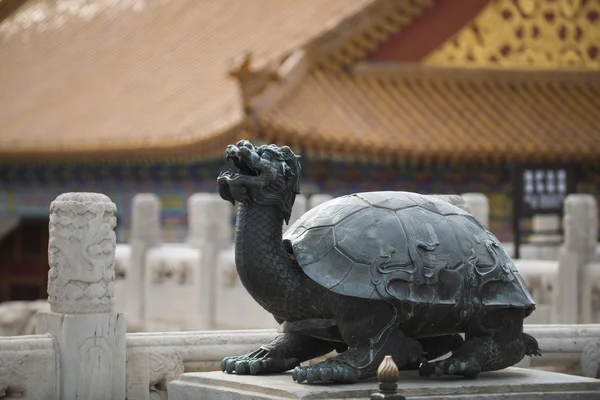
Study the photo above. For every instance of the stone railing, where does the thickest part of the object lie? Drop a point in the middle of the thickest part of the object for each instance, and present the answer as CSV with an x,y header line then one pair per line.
x,y
203,273
567,290
29,367
82,351
159,357
174,286
540,276
83,339
29,364
154,359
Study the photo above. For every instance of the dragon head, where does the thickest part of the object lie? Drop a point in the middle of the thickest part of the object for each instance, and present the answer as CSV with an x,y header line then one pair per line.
x,y
267,175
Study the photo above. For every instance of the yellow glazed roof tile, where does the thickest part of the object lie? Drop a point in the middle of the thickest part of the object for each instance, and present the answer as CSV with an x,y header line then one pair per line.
x,y
524,33
391,17
95,77
444,114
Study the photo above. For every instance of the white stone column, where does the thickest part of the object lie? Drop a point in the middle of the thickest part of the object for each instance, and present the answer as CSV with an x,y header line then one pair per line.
x,y
581,236
209,230
479,206
589,293
317,199
89,334
145,234
545,239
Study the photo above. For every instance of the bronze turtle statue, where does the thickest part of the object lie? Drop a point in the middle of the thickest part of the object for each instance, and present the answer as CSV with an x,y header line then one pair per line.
x,y
369,275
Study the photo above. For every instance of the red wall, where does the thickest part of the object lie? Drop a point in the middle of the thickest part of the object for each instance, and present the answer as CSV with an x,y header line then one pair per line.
x,y
428,31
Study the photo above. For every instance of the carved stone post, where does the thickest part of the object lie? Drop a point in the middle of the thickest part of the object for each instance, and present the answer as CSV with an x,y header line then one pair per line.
x,y
479,206
90,335
579,248
145,234
388,375
209,230
545,239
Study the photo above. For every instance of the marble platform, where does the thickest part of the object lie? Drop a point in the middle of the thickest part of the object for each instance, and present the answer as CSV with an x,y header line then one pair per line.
x,y
509,384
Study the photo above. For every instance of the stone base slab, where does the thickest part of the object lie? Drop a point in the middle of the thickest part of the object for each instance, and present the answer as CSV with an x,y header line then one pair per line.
x,y
509,384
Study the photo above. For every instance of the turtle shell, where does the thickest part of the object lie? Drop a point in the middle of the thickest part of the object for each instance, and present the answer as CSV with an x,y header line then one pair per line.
x,y
408,247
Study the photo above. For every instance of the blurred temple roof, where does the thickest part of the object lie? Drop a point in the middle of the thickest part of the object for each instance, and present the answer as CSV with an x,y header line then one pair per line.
x,y
98,76
437,114
159,79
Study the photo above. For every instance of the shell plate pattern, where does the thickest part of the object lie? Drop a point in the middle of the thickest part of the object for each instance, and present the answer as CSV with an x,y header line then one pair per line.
x,y
407,247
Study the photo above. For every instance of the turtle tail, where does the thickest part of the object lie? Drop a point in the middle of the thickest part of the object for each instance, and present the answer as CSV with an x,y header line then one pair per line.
x,y
531,345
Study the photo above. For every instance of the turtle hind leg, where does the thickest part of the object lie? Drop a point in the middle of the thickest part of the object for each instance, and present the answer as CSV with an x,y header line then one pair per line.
x,y
435,347
489,349
478,354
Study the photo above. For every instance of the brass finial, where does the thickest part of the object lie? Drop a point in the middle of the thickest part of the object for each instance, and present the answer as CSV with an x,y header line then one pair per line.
x,y
388,376
388,371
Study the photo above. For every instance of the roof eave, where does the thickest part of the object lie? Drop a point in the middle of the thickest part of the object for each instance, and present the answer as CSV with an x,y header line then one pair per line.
x,y
200,149
502,74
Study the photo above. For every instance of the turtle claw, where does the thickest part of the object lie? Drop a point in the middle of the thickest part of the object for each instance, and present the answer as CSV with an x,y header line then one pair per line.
x,y
531,345
228,364
299,374
257,366
311,376
258,362
537,353
326,371
327,374
242,367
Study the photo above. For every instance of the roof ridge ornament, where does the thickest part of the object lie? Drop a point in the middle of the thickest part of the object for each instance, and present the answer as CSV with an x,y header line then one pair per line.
x,y
253,78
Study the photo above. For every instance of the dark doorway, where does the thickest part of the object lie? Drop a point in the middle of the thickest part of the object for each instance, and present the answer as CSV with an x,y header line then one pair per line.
x,y
24,261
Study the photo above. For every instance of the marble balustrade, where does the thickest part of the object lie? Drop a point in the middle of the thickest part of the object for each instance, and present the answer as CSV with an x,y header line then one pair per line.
x,y
81,349
28,364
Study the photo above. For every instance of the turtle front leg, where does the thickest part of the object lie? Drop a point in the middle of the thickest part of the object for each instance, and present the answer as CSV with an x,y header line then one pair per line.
x,y
370,336
281,354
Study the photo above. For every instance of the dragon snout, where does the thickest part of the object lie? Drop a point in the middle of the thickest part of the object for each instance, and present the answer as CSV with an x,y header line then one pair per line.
x,y
243,147
231,152
245,144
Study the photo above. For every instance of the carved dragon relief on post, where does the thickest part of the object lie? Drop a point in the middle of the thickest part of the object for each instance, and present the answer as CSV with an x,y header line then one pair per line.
x,y
81,253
